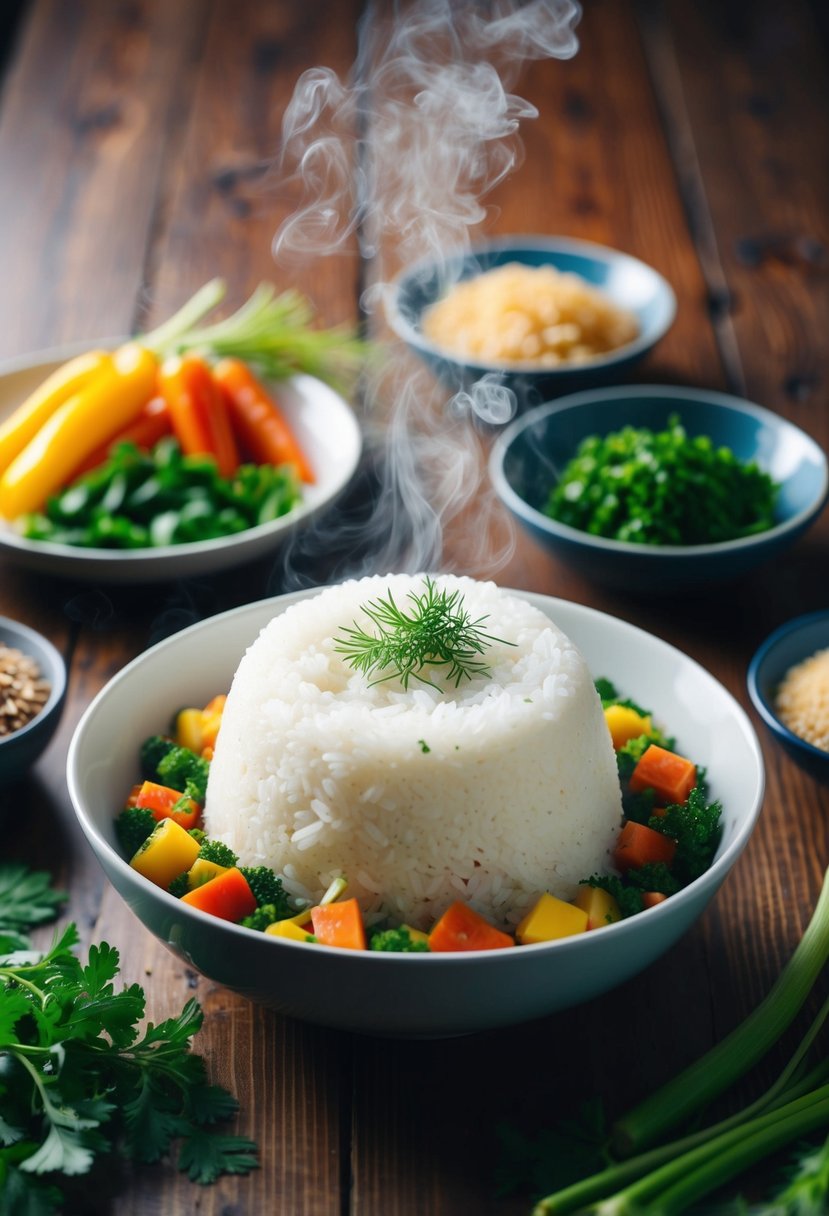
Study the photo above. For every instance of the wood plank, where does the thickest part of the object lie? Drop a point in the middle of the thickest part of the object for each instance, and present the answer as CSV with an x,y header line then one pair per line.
x,y
744,93
82,162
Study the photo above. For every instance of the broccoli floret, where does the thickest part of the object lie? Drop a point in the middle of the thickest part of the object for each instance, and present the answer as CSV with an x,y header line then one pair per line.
x,y
399,941
153,751
263,916
178,886
267,890
695,826
655,876
180,767
132,827
198,834
221,854
628,898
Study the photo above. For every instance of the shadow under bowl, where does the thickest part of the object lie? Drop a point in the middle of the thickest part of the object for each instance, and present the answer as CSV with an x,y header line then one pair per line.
x,y
530,455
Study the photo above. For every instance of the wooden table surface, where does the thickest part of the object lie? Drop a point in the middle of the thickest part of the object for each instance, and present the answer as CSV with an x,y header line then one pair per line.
x,y
138,145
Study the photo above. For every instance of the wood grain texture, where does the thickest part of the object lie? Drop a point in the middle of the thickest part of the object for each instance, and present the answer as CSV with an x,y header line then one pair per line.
x,y
141,139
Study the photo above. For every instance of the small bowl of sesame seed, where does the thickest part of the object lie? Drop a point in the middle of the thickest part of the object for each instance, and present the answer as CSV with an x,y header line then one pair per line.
x,y
788,682
32,692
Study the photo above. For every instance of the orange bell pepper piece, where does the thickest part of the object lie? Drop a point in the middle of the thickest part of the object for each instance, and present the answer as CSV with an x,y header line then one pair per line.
x,y
462,928
339,924
167,803
639,845
671,777
227,896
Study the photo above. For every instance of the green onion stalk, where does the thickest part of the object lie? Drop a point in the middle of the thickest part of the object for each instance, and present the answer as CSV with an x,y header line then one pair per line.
x,y
669,1178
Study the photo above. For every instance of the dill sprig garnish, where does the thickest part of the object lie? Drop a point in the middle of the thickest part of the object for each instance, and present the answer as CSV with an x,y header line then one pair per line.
x,y
438,631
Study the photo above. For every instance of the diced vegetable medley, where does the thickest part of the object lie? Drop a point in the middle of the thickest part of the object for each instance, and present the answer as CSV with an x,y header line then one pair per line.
x,y
668,837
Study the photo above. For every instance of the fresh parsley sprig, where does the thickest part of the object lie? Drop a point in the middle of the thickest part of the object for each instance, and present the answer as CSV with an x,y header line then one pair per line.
x,y
438,632
78,1074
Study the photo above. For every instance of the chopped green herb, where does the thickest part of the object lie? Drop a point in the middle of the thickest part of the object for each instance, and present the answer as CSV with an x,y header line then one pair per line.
x,y
424,746
81,1074
662,488
136,500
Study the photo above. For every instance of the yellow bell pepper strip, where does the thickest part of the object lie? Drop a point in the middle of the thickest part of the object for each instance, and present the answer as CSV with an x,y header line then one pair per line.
x,y
165,854
549,920
67,380
112,398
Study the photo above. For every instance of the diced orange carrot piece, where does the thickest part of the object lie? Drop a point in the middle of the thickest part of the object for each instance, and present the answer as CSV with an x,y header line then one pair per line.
x,y
651,898
162,801
638,845
339,924
227,896
462,928
671,777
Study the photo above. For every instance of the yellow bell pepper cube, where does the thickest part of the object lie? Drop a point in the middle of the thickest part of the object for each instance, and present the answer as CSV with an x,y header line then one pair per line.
x,y
202,871
549,920
289,929
190,729
600,906
625,724
417,935
168,852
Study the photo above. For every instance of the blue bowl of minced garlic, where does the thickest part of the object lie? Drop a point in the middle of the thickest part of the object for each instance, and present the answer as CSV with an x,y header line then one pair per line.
x,y
788,682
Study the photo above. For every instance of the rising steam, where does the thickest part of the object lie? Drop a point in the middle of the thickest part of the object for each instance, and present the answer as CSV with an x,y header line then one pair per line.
x,y
399,158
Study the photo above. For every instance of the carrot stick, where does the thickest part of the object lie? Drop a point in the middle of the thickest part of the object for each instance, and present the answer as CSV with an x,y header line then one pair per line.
x,y
651,898
638,845
198,412
671,777
227,896
462,928
256,419
339,924
152,424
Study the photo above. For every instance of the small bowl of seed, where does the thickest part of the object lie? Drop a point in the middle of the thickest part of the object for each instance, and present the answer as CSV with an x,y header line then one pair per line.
x,y
788,682
32,692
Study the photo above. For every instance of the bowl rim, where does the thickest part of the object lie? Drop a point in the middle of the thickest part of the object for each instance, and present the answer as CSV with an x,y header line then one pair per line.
x,y
712,877
99,559
740,405
604,254
761,702
57,675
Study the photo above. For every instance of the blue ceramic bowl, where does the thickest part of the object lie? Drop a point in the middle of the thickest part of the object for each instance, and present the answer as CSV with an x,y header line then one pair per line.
x,y
20,749
624,279
790,644
530,454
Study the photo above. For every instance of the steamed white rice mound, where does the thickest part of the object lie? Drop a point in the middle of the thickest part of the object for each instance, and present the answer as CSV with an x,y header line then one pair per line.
x,y
491,792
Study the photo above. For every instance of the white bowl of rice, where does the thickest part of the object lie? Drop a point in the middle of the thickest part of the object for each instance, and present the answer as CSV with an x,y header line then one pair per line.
x,y
491,791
